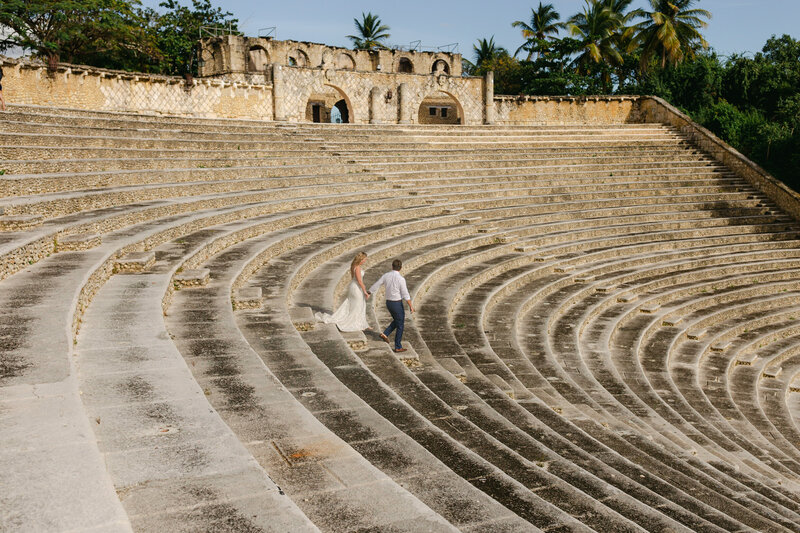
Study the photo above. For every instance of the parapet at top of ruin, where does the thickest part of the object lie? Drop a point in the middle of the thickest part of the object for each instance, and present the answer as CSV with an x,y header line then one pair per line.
x,y
238,56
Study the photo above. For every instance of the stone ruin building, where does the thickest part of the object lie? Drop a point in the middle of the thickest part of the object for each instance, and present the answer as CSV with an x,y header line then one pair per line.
x,y
318,83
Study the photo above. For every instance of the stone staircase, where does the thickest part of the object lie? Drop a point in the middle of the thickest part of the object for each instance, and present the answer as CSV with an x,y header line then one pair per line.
x,y
606,338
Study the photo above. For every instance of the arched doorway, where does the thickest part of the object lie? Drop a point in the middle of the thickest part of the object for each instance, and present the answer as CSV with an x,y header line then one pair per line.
x,y
339,113
329,104
440,108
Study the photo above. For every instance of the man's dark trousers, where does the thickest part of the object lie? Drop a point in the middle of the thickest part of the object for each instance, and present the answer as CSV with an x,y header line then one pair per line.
x,y
398,313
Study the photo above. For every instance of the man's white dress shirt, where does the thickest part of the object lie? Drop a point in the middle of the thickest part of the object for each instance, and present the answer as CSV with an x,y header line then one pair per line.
x,y
396,288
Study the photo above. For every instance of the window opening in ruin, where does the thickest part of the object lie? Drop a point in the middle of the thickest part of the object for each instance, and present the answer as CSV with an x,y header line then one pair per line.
x,y
439,108
257,59
345,62
405,65
316,113
440,66
292,62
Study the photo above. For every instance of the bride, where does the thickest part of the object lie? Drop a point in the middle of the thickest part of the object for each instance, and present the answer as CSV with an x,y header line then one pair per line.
x,y
352,314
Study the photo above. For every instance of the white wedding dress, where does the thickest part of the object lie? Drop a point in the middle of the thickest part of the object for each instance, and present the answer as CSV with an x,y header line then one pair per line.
x,y
352,314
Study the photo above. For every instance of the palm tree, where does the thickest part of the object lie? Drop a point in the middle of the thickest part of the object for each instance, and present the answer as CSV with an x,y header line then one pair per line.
x,y
670,31
370,32
597,28
544,23
487,51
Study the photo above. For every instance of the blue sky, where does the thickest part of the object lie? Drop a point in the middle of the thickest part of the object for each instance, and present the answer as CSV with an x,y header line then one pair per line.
x,y
737,26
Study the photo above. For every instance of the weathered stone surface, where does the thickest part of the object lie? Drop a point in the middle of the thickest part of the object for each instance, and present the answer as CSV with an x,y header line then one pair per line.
x,y
248,298
355,339
618,420
19,222
135,262
302,318
193,277
452,366
77,242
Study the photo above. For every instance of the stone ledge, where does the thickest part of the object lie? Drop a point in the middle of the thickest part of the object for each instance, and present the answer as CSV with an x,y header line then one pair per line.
x,y
772,372
501,384
407,356
19,222
302,318
193,277
452,366
696,334
78,242
720,346
248,298
135,262
525,248
746,359
355,339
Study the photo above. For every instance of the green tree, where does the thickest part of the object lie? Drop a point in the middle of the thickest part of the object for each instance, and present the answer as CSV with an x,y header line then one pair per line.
x,y
670,32
544,23
485,52
109,33
370,32
177,30
597,28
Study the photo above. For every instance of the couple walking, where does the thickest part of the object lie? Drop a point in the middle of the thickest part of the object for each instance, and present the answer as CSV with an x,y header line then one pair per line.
x,y
352,314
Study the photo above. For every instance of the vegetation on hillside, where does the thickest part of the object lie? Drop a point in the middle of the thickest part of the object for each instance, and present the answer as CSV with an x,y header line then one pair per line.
x,y
115,34
753,103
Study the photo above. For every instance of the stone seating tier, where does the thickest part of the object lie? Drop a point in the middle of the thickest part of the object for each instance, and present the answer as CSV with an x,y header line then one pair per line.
x,y
606,336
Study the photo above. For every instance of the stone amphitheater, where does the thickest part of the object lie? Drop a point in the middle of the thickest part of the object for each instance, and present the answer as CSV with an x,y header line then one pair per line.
x,y
607,337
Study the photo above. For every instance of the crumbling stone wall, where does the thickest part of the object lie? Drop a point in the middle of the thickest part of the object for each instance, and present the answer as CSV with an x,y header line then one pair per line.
x,y
244,59
28,82
566,109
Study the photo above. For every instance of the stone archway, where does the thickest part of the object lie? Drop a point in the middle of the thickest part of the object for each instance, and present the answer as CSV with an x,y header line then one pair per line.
x,y
298,58
440,107
405,65
257,59
328,103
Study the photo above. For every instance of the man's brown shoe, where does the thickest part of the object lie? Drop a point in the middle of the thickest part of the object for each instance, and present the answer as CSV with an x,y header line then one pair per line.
x,y
385,338
400,350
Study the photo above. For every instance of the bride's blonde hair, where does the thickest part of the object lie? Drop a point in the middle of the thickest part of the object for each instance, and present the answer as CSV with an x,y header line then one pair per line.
x,y
357,260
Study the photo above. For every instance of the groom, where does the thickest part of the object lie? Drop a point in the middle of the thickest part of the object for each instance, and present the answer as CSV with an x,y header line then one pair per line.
x,y
396,292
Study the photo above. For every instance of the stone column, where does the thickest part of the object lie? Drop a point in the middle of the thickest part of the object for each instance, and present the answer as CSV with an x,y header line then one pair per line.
x,y
278,93
488,96
374,105
404,103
